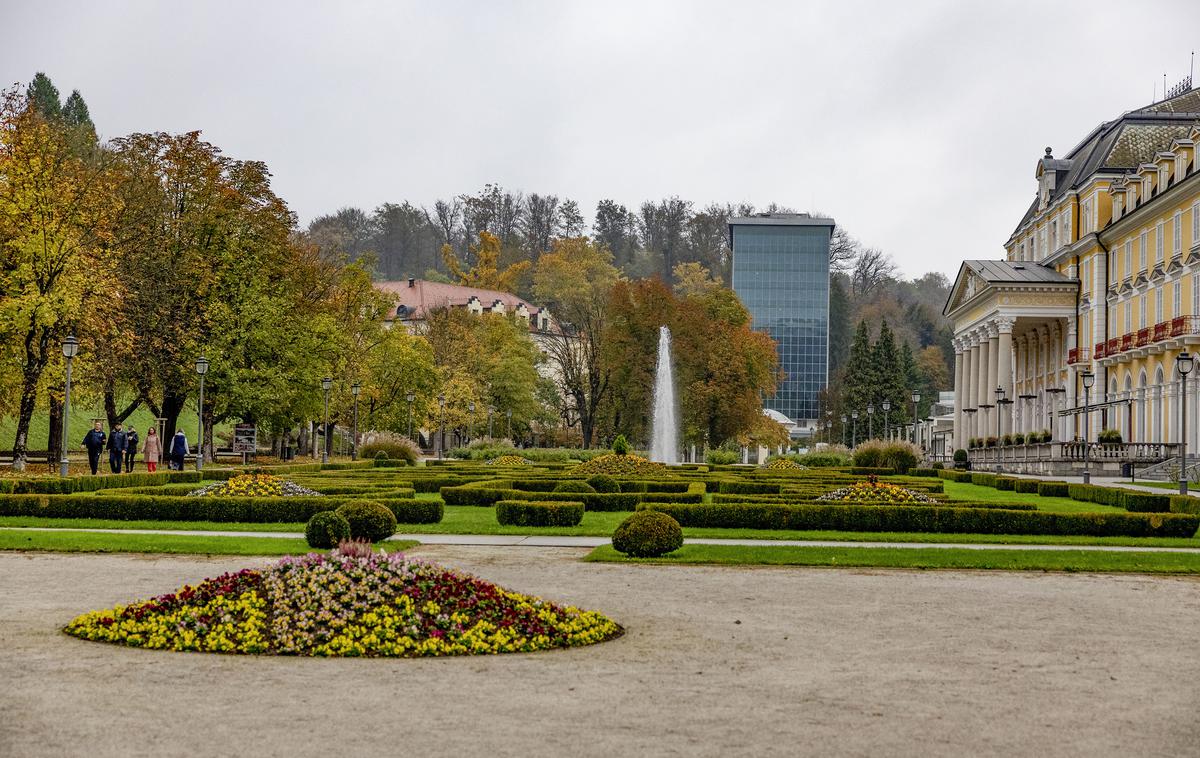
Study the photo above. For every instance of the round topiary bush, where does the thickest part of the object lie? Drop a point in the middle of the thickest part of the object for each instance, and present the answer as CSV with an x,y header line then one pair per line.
x,y
603,483
647,534
326,529
369,520
574,485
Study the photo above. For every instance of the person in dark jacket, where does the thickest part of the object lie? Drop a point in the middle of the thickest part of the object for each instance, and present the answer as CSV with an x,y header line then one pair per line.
x,y
117,442
93,442
131,448
179,450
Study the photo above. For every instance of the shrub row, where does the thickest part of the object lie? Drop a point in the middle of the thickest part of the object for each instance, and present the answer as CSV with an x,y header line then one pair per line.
x,y
59,486
539,513
786,500
1130,500
908,518
183,508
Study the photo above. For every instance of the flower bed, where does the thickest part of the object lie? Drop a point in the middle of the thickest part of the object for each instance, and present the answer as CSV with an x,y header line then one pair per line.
x,y
254,485
784,464
509,460
872,491
345,605
620,465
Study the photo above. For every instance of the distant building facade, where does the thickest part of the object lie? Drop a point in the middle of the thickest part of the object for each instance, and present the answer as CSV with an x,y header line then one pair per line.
x,y
781,274
416,298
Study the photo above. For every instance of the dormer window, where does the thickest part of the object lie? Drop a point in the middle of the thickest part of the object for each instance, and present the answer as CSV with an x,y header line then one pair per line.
x,y
1118,203
1164,175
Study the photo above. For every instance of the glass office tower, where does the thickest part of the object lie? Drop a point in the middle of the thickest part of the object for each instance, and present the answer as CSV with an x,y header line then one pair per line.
x,y
781,273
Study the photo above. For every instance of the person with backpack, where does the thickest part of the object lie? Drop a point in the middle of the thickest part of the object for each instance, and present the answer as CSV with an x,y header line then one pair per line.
x,y
179,450
93,442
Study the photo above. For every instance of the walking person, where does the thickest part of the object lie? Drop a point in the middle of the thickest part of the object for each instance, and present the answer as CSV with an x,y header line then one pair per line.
x,y
151,450
131,449
179,450
93,442
117,441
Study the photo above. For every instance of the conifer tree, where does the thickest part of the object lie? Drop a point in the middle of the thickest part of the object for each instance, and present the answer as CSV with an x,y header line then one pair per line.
x,y
860,372
891,380
43,97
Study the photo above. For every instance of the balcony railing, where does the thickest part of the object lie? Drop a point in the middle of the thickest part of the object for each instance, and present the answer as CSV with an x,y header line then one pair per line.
x,y
1162,330
1182,325
1098,452
1127,341
1144,335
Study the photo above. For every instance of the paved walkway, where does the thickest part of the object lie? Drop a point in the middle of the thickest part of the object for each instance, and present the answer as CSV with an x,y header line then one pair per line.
x,y
539,540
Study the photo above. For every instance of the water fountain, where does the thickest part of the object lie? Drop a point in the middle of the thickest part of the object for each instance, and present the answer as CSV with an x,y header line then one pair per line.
x,y
664,439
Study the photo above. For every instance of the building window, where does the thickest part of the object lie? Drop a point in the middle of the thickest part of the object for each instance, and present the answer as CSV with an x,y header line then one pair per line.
x,y
1128,317
1158,305
1128,258
1178,298
1195,294
1177,234
1142,311
1142,253
1054,235
1163,173
1116,206
1158,243
1196,225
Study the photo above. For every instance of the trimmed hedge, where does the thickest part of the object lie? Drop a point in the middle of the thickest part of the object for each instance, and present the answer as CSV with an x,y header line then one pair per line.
x,y
923,472
1145,502
1026,486
983,480
955,476
647,534
1185,504
1053,489
786,500
604,483
369,520
934,519
573,486
869,470
58,486
539,513
749,488
326,529
258,510
1006,483
616,501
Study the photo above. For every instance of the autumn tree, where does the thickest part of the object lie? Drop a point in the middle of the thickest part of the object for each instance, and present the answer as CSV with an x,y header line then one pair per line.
x,y
55,225
486,272
574,280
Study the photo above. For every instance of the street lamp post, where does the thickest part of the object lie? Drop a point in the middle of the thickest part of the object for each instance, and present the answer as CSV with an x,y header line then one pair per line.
x,y
999,403
854,431
354,390
887,411
201,369
70,348
843,430
828,431
870,421
1183,364
916,399
470,421
508,424
326,384
410,397
1088,380
441,425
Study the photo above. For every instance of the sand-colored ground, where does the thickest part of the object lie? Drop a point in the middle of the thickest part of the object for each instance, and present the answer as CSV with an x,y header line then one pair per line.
x,y
716,661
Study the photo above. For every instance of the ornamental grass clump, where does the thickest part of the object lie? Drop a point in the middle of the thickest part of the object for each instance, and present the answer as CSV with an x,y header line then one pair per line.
x,y
351,602
647,534
254,485
872,491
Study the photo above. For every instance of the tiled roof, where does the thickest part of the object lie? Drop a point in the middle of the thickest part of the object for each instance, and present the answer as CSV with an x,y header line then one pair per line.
x,y
417,297
1016,271
1122,144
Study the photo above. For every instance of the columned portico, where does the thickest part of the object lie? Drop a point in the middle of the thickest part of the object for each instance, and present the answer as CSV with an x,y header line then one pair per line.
x,y
1011,322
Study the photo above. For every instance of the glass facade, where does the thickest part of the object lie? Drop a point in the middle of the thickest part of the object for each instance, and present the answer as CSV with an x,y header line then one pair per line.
x,y
781,273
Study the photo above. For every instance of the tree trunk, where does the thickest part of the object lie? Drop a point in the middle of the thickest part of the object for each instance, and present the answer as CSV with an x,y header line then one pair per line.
x,y
172,406
210,452
54,437
24,415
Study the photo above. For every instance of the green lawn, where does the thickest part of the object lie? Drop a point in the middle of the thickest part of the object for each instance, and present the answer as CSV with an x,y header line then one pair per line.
x,y
81,421
979,493
67,541
929,558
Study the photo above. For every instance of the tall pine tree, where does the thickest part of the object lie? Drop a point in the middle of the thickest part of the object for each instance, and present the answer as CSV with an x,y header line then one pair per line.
x,y
43,97
858,389
890,384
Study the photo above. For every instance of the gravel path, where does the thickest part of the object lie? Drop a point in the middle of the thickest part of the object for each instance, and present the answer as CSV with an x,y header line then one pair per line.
x,y
716,661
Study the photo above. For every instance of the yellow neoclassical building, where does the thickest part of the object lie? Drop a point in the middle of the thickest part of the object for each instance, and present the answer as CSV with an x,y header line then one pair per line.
x,y
1102,276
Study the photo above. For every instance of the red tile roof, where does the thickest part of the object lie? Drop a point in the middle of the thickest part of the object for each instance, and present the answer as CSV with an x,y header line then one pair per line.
x,y
419,296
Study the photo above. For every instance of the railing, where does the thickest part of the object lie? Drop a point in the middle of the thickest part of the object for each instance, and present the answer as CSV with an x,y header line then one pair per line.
x,y
1073,355
1183,325
1119,451
1143,336
1162,330
1127,341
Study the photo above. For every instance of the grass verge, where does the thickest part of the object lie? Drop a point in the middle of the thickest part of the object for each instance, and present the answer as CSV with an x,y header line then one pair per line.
x,y
67,541
925,558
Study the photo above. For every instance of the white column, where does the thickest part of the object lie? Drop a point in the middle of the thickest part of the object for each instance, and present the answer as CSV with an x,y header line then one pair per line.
x,y
1004,349
981,388
958,393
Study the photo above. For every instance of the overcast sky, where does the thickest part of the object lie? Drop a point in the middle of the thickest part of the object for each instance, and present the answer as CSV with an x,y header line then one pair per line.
x,y
916,125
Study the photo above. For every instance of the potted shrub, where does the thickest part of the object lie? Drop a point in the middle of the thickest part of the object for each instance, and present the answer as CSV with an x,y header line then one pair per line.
x,y
960,459
1109,437
1006,440
991,442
